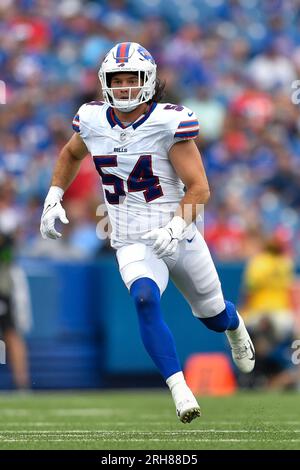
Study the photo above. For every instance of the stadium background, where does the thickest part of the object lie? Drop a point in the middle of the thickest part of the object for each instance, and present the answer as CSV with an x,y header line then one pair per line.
x,y
232,62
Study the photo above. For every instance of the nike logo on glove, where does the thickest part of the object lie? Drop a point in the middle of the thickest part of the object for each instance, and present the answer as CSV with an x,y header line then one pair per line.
x,y
49,207
190,114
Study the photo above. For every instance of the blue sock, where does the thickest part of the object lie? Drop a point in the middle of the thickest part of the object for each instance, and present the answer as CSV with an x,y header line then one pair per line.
x,y
226,320
157,338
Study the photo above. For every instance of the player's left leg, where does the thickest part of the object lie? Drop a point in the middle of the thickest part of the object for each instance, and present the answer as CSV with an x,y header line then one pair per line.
x,y
194,273
146,277
231,322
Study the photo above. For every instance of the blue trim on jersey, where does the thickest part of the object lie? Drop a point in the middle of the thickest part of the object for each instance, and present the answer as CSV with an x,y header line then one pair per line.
x,y
115,117
76,123
141,121
109,117
114,120
96,103
188,124
186,134
76,128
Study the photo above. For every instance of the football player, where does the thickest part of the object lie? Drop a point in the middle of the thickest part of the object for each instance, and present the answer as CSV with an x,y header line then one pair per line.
x,y
151,171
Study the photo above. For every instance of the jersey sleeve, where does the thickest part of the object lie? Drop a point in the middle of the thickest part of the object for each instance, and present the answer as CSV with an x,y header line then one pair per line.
x,y
79,123
187,126
183,124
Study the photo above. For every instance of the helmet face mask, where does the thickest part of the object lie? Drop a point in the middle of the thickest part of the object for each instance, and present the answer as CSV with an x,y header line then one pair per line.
x,y
128,58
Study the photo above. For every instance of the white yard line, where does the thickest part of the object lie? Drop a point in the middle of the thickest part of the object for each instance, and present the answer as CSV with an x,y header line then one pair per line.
x,y
90,412
87,411
72,423
64,411
150,439
153,423
130,432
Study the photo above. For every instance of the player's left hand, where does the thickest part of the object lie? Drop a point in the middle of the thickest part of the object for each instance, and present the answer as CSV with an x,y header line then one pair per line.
x,y
166,239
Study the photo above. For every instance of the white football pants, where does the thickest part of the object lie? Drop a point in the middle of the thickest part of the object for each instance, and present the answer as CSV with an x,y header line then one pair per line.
x,y
191,268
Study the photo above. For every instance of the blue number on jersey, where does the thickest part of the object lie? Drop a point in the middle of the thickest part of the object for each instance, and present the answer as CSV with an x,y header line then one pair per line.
x,y
106,161
141,178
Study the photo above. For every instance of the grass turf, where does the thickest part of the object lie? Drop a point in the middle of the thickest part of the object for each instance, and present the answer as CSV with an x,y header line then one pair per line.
x,y
146,420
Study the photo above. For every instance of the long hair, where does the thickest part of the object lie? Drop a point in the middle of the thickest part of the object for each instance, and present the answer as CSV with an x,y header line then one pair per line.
x,y
159,91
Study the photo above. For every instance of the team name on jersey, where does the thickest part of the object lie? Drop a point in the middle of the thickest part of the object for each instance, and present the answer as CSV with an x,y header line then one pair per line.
x,y
120,149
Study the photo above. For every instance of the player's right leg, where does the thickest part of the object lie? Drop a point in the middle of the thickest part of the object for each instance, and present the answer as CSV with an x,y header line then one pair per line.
x,y
146,278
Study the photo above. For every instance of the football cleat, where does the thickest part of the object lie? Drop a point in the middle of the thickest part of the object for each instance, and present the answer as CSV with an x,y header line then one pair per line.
x,y
242,349
188,409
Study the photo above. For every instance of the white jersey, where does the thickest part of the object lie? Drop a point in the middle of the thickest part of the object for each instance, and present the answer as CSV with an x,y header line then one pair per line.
x,y
141,188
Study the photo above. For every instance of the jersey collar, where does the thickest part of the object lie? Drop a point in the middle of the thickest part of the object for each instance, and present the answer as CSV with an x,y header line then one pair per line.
x,y
114,120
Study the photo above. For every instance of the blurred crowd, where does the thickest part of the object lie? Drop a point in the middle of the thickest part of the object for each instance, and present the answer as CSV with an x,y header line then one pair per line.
x,y
234,62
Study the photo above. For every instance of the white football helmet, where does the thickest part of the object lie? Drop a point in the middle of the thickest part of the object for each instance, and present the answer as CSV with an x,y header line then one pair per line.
x,y
128,57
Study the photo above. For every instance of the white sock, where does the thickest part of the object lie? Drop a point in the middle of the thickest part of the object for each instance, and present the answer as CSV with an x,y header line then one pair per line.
x,y
234,335
175,379
178,386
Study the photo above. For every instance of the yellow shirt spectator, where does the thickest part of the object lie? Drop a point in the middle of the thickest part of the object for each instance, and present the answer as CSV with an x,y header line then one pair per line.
x,y
268,281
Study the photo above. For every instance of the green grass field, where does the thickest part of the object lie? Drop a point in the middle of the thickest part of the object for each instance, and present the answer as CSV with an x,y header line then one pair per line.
x,y
146,420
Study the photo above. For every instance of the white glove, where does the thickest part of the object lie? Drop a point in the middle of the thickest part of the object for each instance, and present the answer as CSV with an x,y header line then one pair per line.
x,y
52,210
166,239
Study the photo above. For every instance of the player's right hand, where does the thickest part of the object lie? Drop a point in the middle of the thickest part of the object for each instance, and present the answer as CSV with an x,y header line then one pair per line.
x,y
52,210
